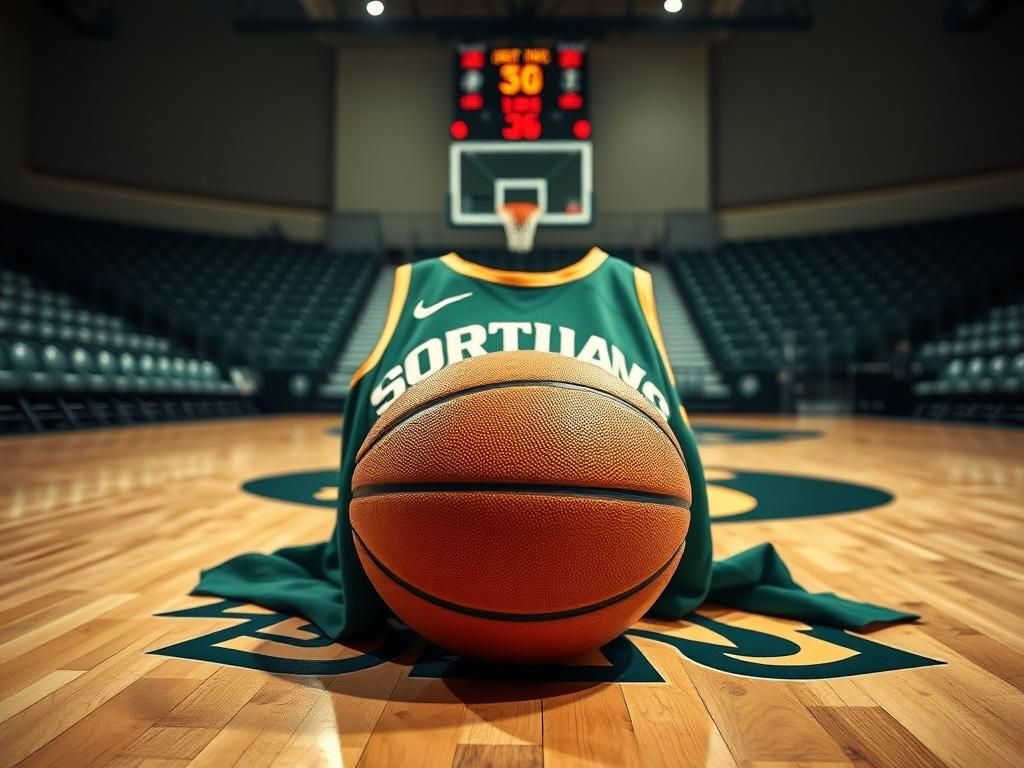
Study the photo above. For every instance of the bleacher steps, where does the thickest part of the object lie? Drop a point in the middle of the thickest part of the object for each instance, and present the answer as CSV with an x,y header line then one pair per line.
x,y
362,339
695,373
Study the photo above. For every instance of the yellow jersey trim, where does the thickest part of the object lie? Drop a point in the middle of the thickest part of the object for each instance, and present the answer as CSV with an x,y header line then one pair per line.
x,y
580,269
399,292
645,294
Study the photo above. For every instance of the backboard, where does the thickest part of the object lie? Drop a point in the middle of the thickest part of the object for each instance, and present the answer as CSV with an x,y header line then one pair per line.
x,y
557,175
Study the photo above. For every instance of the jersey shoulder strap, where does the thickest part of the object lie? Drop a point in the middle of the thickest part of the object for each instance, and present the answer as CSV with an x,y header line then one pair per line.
x,y
578,270
644,286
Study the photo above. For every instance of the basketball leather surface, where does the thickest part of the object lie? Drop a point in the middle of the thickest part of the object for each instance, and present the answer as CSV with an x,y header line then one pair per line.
x,y
520,506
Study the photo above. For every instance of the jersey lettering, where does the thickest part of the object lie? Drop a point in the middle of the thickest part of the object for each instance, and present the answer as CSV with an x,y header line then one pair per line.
x,y
467,341
542,337
509,334
633,376
457,344
414,370
596,351
391,387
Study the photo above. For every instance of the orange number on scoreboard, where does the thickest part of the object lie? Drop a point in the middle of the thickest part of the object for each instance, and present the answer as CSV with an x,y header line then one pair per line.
x,y
527,79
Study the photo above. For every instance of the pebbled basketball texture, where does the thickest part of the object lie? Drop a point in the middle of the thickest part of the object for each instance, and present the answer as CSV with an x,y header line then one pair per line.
x,y
520,506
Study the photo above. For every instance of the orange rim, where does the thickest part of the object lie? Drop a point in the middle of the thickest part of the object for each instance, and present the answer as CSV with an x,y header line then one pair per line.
x,y
521,211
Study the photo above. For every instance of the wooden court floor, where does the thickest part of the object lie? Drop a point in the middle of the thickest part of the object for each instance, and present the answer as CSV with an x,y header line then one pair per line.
x,y
102,531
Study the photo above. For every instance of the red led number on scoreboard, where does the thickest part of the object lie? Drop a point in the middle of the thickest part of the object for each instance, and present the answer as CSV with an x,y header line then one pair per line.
x,y
527,79
521,125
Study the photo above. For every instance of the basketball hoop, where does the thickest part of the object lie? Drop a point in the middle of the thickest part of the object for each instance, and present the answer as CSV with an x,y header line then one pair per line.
x,y
520,221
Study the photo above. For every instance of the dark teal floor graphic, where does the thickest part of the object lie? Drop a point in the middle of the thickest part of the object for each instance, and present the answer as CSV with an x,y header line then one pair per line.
x,y
765,648
735,495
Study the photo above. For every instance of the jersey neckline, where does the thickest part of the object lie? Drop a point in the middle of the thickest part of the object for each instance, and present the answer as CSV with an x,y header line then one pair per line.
x,y
587,265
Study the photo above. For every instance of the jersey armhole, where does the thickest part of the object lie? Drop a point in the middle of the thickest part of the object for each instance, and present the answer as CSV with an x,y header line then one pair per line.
x,y
399,292
645,295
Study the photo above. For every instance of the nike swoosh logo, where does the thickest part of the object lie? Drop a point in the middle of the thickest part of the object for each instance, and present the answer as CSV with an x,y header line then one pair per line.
x,y
420,311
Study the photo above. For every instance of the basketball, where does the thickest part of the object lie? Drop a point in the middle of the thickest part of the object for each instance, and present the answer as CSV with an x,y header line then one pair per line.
x,y
520,506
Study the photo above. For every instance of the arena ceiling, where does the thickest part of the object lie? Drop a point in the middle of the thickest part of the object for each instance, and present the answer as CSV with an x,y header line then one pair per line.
x,y
511,18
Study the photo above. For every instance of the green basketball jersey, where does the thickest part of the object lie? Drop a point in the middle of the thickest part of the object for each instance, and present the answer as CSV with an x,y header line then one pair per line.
x,y
598,310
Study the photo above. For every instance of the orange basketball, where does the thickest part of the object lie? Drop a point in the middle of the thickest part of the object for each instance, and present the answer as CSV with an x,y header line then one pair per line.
x,y
520,506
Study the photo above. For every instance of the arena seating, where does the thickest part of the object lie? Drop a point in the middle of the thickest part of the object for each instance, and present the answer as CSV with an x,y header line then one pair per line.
x,y
265,302
981,357
64,364
156,319
50,341
836,298
110,323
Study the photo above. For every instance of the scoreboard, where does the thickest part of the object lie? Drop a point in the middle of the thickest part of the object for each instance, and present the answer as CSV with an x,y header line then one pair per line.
x,y
525,94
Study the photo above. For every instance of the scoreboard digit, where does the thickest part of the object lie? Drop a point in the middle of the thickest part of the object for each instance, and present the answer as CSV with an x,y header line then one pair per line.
x,y
521,94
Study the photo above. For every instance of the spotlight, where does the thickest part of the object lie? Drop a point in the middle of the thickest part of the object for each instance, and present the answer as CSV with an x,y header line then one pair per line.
x,y
672,6
376,7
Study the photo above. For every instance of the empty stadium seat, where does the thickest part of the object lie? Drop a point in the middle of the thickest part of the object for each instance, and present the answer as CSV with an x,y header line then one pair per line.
x,y
8,377
57,344
996,362
26,364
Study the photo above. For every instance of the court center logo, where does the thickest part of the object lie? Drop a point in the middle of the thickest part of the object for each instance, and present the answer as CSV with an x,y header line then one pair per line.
x,y
726,640
734,495
730,641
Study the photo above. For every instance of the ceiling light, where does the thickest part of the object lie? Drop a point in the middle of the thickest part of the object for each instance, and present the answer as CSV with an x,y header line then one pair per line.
x,y
672,6
376,7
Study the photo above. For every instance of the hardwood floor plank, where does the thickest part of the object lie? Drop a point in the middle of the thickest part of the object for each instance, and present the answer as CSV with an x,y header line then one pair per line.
x,y
499,756
500,713
956,734
170,743
30,694
587,725
419,727
984,651
262,728
100,736
216,700
671,723
57,652
10,616
351,709
96,607
35,726
871,734
764,722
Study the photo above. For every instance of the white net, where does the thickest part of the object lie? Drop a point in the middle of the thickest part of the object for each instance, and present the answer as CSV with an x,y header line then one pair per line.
x,y
520,221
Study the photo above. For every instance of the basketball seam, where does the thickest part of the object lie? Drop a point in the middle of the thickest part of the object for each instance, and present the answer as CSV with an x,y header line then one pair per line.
x,y
365,449
516,617
529,489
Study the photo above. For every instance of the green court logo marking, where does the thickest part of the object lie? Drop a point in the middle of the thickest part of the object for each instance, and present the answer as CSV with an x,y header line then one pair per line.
x,y
716,434
735,495
318,488
734,642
